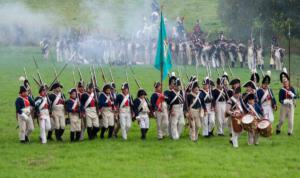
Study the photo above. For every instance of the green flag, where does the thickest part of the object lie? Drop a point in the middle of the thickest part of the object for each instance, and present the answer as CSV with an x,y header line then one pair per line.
x,y
163,54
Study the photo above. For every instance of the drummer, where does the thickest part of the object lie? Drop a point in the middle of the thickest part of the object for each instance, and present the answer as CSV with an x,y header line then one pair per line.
x,y
235,112
255,110
266,98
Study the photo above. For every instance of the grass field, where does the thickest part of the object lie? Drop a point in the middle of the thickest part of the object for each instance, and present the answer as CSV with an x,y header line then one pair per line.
x,y
277,156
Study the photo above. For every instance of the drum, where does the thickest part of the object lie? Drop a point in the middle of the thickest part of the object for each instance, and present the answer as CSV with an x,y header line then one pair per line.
x,y
236,125
265,128
249,122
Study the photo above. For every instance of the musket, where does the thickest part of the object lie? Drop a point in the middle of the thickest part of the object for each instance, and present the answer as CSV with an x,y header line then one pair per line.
x,y
218,72
102,74
187,76
95,92
111,75
25,73
134,77
55,73
80,75
60,72
94,75
36,81
38,72
74,80
230,71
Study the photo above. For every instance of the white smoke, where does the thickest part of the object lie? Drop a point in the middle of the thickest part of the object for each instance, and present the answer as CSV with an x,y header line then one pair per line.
x,y
20,25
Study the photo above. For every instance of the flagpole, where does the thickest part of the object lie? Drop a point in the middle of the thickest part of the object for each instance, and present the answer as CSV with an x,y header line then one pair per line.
x,y
161,61
289,36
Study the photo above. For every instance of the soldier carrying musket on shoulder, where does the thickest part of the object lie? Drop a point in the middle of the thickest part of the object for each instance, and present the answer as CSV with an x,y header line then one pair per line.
x,y
24,105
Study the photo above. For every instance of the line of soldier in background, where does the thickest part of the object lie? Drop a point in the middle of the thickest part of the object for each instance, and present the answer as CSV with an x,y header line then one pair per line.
x,y
210,107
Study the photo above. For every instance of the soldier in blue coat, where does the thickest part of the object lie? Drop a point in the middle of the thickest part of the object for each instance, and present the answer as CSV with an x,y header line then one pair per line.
x,y
287,96
73,109
24,105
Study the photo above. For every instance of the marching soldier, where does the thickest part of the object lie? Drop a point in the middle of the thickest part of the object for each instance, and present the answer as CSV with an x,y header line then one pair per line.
x,y
23,109
250,89
106,106
255,110
42,105
160,108
287,94
175,102
209,108
235,111
113,95
80,92
89,111
194,110
57,100
266,98
220,98
235,83
255,78
124,103
73,109
141,110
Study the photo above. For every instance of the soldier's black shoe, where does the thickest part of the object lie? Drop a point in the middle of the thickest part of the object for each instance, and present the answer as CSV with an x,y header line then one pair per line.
x,y
110,131
211,133
23,141
278,132
230,141
221,135
49,136
103,130
230,134
90,133
26,139
77,136
143,132
57,134
206,136
72,136
95,131
290,134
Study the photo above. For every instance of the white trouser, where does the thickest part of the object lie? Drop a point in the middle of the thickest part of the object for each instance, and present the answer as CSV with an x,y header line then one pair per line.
x,y
234,137
125,121
287,111
208,123
220,115
58,114
143,120
162,121
45,125
195,123
108,118
177,121
92,119
268,112
253,137
25,126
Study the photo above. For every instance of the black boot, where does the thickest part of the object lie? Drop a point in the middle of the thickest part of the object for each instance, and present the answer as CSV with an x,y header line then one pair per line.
x,y
57,133
49,136
77,138
26,139
103,129
61,132
72,136
242,65
110,131
22,141
232,64
95,131
143,132
90,133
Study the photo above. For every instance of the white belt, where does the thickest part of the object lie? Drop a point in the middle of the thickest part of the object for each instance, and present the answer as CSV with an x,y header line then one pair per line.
x,y
177,106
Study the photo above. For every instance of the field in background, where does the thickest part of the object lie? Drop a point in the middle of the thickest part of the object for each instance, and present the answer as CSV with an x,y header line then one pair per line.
x,y
274,157
74,13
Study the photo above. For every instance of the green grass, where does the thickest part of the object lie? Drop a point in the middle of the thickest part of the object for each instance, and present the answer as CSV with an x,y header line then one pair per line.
x,y
120,12
277,156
